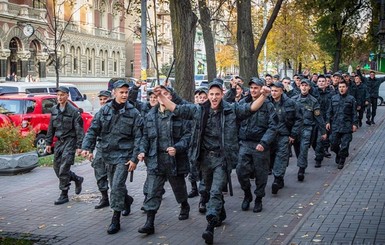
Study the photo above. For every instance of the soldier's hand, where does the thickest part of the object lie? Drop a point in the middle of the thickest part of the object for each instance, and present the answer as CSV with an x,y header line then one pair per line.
x,y
358,108
157,90
90,157
171,151
131,166
260,147
291,140
265,90
366,102
354,128
138,83
358,67
328,126
141,157
48,149
324,136
78,152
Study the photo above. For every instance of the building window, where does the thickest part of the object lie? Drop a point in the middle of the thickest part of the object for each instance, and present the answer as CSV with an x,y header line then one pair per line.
x,y
75,64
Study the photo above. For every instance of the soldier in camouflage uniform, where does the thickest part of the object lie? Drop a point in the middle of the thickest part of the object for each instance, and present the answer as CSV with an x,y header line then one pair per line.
x,y
321,146
342,121
311,118
217,144
98,164
165,144
288,131
118,124
362,98
66,124
256,133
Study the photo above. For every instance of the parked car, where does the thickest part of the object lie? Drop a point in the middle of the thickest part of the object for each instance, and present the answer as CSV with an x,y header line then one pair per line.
x,y
199,79
47,88
33,112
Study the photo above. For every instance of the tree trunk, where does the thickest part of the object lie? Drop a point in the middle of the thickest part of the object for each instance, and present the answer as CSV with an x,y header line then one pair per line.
x,y
245,40
208,38
337,54
183,25
267,29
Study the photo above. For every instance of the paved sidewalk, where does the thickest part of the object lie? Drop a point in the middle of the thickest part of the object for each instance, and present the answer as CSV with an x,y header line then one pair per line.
x,y
329,207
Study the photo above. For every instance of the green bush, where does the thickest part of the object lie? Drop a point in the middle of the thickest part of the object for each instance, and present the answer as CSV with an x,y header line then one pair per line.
x,y
12,141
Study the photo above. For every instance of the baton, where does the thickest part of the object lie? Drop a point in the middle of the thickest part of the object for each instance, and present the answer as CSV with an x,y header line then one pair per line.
x,y
132,176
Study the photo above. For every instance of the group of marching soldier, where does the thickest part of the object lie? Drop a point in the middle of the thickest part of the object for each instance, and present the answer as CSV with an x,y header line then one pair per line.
x,y
251,130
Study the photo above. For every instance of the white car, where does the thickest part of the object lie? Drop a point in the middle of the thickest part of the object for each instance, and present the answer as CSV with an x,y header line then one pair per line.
x,y
47,88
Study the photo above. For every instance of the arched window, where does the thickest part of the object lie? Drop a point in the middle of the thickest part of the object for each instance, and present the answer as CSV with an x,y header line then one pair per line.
x,y
114,62
92,59
78,58
73,60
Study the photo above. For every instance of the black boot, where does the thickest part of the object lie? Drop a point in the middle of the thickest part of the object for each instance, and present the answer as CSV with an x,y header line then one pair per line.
x,y
281,182
194,190
327,153
247,200
148,227
127,205
115,223
341,163
78,184
222,216
317,164
258,205
275,185
63,198
103,201
203,201
184,211
337,160
301,174
208,235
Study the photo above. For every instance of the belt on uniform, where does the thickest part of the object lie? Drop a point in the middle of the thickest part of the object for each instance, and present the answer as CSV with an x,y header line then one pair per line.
x,y
64,138
212,153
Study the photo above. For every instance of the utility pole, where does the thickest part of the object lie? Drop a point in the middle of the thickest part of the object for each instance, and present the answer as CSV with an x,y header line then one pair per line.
x,y
143,68
265,45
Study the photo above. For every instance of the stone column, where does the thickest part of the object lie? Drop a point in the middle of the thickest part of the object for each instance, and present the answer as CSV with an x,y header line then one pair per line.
x,y
4,54
23,56
42,60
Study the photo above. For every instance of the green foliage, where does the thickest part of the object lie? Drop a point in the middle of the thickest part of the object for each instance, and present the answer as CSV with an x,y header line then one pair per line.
x,y
14,241
47,161
12,141
166,68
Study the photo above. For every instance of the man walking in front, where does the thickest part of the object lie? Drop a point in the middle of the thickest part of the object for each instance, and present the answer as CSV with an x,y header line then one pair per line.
x,y
66,124
342,121
118,124
217,146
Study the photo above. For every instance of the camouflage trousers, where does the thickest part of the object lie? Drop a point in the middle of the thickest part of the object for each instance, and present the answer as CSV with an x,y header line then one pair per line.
x,y
340,143
64,158
100,171
252,161
279,155
214,175
155,185
117,175
301,147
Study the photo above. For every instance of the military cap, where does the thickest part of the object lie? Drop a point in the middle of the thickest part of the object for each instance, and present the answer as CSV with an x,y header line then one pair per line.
x,y
256,81
276,76
321,76
307,81
197,91
215,83
218,80
105,93
120,83
268,75
337,74
202,90
238,77
63,89
278,85
168,89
